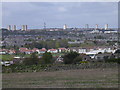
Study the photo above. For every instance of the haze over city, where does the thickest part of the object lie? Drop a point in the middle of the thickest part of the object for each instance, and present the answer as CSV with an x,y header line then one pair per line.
x,y
77,14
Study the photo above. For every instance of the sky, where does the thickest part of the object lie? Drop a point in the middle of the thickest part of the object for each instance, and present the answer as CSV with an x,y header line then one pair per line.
x,y
56,14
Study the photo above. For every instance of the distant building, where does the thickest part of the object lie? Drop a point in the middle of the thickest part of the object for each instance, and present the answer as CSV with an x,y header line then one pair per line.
x,y
96,26
64,26
86,26
9,27
24,27
14,27
106,26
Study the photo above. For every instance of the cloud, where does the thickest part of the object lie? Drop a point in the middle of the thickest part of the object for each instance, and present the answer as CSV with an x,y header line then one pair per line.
x,y
56,14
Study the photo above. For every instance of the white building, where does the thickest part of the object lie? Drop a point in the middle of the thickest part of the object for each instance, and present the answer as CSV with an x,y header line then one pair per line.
x,y
9,27
14,27
64,26
86,26
43,50
106,26
96,51
96,26
82,50
24,27
52,50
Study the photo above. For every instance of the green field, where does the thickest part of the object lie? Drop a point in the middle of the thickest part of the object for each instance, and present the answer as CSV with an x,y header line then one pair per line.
x,y
7,57
81,78
10,57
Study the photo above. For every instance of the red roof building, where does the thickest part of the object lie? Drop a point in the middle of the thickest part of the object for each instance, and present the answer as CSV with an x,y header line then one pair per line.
x,y
22,50
52,50
62,49
11,51
35,49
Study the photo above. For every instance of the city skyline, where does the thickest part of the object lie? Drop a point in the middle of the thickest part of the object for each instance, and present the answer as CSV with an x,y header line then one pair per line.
x,y
25,27
55,15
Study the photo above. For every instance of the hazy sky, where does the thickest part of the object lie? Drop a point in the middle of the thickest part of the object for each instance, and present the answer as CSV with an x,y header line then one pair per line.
x,y
77,14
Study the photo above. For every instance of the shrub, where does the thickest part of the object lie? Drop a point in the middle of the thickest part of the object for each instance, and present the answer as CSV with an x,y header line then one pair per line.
x,y
113,60
32,60
83,62
69,58
77,60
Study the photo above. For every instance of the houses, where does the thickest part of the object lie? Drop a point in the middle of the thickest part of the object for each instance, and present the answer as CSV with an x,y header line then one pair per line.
x,y
22,50
86,58
91,51
105,56
82,50
35,49
11,51
52,50
74,49
28,51
61,50
43,50
13,40
96,50
4,51
59,60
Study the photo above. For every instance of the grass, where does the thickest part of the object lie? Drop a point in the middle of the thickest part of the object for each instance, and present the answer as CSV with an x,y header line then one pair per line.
x,y
57,54
7,57
81,78
10,57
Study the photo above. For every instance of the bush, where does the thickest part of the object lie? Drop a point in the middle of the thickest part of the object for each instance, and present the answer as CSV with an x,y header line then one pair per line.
x,y
83,62
77,60
32,60
113,60
69,58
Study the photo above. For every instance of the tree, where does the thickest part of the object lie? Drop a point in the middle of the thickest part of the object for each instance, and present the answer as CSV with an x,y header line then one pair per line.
x,y
47,57
57,45
100,53
69,58
32,60
117,51
113,60
77,60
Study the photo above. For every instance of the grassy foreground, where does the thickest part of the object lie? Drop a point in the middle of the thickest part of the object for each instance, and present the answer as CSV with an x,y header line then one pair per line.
x,y
81,78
